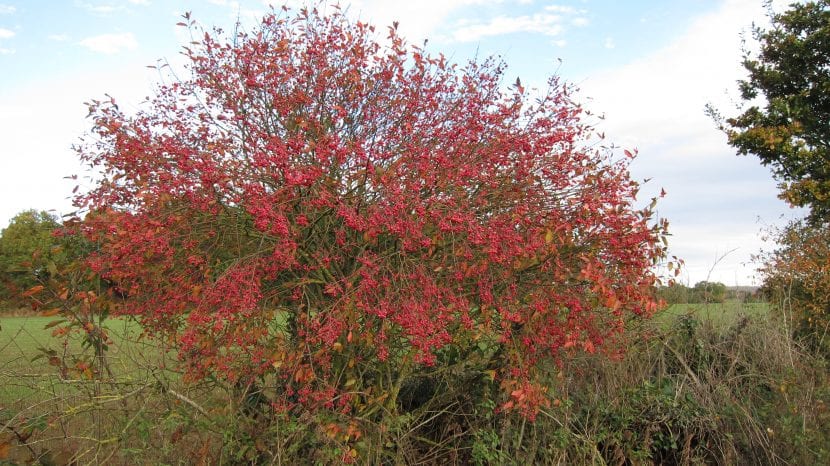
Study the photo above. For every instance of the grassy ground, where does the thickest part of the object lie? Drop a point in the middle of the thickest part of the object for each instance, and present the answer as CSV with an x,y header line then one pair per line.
x,y
26,343
36,397
720,314
24,337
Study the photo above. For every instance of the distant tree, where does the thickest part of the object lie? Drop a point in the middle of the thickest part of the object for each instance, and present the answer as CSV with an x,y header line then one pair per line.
x,y
788,93
29,234
708,292
676,293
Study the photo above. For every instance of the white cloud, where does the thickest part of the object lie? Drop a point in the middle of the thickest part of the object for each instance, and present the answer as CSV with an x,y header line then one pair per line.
x,y
7,9
418,20
560,43
6,34
547,24
580,21
58,37
140,2
99,8
560,9
656,104
5,51
609,43
110,43
102,9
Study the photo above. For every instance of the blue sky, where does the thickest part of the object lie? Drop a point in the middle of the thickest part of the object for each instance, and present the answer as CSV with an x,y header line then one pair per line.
x,y
649,66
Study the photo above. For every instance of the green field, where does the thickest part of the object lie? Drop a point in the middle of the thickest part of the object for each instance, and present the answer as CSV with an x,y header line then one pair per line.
x,y
27,342
681,384
719,314
23,338
36,396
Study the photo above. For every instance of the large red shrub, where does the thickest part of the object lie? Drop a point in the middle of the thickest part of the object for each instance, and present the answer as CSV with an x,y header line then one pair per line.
x,y
334,213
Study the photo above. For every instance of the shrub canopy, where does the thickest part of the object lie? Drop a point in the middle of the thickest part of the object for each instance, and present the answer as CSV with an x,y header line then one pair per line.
x,y
334,213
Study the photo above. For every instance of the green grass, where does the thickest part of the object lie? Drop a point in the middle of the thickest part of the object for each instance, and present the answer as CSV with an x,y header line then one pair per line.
x,y
34,397
25,372
23,338
720,314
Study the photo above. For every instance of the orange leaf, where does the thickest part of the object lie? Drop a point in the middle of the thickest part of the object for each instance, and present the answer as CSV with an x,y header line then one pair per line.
x,y
50,312
589,346
4,450
32,291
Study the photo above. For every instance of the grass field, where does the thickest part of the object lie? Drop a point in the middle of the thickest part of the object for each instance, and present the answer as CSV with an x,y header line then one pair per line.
x,y
23,338
25,370
35,397
720,314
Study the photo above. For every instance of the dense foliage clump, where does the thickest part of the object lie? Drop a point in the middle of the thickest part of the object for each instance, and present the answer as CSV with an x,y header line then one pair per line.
x,y
28,239
347,229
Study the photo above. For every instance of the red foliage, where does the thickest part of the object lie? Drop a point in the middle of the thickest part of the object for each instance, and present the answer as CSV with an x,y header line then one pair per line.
x,y
313,199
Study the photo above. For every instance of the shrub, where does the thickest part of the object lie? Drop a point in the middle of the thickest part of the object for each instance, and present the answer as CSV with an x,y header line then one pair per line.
x,y
797,280
363,235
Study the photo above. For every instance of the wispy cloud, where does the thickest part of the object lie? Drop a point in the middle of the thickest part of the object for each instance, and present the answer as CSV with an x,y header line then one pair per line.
x,y
418,20
656,103
140,2
99,8
58,37
560,9
580,21
550,20
541,23
7,9
110,43
6,34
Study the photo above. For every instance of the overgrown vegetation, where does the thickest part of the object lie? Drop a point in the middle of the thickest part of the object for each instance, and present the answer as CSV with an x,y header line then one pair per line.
x,y
694,392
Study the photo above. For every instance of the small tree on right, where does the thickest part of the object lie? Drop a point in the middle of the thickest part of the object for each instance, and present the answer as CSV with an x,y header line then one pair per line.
x,y
786,123
797,277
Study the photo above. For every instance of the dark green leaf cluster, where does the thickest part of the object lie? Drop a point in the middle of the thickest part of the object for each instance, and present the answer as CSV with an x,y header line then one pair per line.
x,y
29,233
33,247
